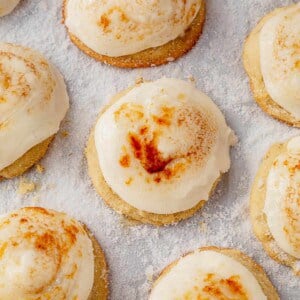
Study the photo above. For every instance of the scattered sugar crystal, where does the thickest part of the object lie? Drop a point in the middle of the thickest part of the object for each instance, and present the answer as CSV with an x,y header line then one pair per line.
x,y
149,273
215,64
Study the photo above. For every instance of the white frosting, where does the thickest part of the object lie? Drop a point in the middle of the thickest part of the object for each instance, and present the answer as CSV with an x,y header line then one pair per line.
x,y
33,101
207,275
7,6
44,255
122,27
280,58
282,206
184,146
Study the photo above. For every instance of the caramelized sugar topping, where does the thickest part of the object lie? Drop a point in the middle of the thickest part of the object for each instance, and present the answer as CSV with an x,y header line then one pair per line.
x,y
189,132
21,78
47,236
117,20
229,288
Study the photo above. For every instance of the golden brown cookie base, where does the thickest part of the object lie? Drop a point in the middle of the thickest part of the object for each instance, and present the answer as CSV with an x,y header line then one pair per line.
x,y
257,203
100,288
122,207
115,202
153,56
251,58
25,162
257,271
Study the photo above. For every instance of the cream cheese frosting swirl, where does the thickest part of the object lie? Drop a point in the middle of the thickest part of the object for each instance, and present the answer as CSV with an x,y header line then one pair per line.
x,y
123,27
280,58
207,275
7,6
162,146
44,255
33,101
282,203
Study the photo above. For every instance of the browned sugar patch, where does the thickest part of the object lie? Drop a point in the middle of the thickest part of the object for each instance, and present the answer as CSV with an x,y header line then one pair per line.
x,y
198,126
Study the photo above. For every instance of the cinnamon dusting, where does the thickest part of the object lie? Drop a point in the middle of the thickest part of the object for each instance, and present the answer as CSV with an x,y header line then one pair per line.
x,y
166,117
221,289
106,19
129,111
2,249
148,129
129,181
125,161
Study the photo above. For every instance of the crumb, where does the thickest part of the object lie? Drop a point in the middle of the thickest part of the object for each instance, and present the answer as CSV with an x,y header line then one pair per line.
x,y
26,187
64,134
139,80
203,226
35,200
149,273
192,79
39,168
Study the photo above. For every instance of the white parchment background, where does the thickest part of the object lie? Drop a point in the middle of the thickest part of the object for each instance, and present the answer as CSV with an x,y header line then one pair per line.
x,y
135,253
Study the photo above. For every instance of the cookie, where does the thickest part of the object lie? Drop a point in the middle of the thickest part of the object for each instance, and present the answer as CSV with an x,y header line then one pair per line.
x,y
33,102
135,35
168,147
274,203
51,256
273,78
213,272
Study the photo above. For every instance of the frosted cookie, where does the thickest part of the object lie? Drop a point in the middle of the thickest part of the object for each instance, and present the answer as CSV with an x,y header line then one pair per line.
x,y
33,102
7,6
272,61
214,273
134,34
275,206
49,255
158,151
